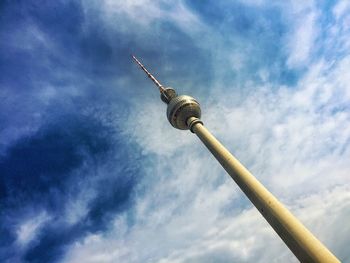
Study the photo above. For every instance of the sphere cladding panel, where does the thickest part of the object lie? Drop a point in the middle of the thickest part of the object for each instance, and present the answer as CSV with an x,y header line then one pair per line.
x,y
180,109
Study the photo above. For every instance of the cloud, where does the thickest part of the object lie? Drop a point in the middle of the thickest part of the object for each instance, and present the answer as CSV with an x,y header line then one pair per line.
x,y
340,9
302,40
28,230
91,169
53,170
241,236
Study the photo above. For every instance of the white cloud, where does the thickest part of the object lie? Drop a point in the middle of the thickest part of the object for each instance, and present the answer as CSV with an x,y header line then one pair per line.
x,y
28,229
142,17
241,236
341,8
302,37
77,208
338,40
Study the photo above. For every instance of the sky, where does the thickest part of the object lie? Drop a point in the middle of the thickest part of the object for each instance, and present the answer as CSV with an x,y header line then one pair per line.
x,y
90,168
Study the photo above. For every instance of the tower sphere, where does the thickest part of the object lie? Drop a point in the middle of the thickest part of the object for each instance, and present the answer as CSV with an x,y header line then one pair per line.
x,y
180,109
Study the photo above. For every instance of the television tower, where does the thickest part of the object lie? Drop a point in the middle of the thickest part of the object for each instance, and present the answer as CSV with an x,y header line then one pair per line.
x,y
183,112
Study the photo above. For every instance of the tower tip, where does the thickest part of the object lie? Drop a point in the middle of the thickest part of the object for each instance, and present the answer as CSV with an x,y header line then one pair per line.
x,y
155,81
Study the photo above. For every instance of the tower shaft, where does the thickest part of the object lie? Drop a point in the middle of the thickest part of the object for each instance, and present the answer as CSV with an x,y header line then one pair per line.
x,y
304,245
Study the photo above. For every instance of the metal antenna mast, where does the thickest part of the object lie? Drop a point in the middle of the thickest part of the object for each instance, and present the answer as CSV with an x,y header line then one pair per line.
x,y
184,113
155,81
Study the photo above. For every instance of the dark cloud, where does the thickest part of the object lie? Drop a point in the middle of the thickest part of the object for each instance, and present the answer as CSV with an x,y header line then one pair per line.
x,y
30,30
44,171
34,164
55,238
51,66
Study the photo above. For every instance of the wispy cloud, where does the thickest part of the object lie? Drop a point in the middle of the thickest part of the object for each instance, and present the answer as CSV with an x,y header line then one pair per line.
x,y
28,230
302,38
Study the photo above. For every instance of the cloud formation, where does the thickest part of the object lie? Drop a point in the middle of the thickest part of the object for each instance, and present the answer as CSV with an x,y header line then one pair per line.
x,y
91,171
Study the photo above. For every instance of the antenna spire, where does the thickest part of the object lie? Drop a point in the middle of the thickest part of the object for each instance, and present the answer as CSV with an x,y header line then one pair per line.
x,y
155,81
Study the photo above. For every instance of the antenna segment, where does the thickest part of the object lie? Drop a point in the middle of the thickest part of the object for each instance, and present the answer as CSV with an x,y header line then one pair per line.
x,y
166,94
155,81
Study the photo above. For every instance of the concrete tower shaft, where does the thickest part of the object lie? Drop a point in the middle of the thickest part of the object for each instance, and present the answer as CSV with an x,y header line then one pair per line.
x,y
184,112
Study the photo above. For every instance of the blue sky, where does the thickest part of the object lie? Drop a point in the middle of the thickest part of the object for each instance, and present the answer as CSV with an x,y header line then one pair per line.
x,y
90,170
